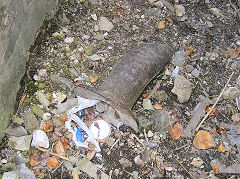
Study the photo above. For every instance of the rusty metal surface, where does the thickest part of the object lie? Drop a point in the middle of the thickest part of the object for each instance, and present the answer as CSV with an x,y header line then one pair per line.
x,y
128,79
135,70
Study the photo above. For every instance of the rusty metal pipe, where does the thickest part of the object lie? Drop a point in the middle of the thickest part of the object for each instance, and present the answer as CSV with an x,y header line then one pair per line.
x,y
128,79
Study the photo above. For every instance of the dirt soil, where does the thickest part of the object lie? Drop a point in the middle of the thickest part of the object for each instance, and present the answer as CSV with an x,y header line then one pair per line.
x,y
205,30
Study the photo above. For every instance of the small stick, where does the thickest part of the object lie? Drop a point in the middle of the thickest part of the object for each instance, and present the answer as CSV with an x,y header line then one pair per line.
x,y
145,136
51,153
184,168
114,144
139,141
57,167
154,89
220,95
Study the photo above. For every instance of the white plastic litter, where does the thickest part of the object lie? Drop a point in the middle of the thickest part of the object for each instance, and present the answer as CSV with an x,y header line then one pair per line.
x,y
100,129
82,104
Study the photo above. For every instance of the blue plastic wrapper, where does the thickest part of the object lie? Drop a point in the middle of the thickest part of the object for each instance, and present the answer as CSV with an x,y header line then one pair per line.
x,y
79,135
81,114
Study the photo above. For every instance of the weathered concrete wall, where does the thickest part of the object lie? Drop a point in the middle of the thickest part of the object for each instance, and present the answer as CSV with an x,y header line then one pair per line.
x,y
19,22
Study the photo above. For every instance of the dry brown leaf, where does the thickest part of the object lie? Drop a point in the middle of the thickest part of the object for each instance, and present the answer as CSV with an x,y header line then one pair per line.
x,y
215,169
52,162
63,117
21,102
91,154
203,140
59,148
33,162
69,136
221,148
93,79
157,106
176,131
47,127
189,50
208,108
161,25
65,143
75,174
145,95
169,20
232,53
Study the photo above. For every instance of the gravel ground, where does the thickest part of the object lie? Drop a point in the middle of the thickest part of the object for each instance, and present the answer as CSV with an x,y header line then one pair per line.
x,y
205,36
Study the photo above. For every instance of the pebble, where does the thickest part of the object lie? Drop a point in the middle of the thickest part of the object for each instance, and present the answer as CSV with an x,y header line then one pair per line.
x,y
105,24
179,58
110,141
160,96
147,104
150,134
94,57
86,37
20,159
94,17
40,139
63,83
125,163
46,116
195,73
135,174
231,93
20,143
68,40
145,123
138,161
197,162
4,161
216,11
182,88
209,24
238,81
189,68
30,121
99,36
43,99
238,42
180,10
14,130
69,104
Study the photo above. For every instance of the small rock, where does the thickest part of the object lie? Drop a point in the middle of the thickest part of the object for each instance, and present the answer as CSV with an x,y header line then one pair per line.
x,y
238,81
197,162
116,172
160,96
147,104
236,117
125,163
86,37
160,121
99,36
195,73
209,24
68,165
17,119
101,107
69,104
89,50
110,141
30,121
42,99
145,123
94,57
94,17
216,12
46,116
151,145
20,159
11,175
180,10
231,93
135,174
36,110
182,88
150,134
189,68
16,130
105,24
69,40
40,139
20,143
179,58
64,83
60,97
175,72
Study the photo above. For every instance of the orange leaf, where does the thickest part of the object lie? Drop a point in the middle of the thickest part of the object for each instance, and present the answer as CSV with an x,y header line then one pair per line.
x,y
90,154
59,148
189,50
47,127
21,101
203,140
161,25
32,160
215,169
169,20
65,143
232,53
209,108
221,148
52,162
75,174
145,95
63,117
176,131
157,106
93,79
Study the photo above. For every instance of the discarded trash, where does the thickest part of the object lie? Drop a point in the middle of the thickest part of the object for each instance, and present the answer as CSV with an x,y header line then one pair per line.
x,y
100,129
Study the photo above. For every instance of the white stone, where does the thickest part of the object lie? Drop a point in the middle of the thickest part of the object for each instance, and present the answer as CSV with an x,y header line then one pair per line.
x,y
40,139
105,24
94,17
180,10
69,40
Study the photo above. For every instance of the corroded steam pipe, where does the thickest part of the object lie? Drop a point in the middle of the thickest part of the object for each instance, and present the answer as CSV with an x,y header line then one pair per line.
x,y
128,78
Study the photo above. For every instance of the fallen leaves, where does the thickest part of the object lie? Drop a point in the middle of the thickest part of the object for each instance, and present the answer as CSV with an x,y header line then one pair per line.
x,y
176,131
63,117
169,20
158,106
203,140
59,148
47,127
189,50
33,162
93,79
232,53
215,169
52,162
221,148
161,25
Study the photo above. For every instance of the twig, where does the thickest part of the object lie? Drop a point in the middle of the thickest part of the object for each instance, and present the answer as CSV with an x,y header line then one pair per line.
x,y
51,153
139,141
145,135
154,89
220,95
184,168
57,167
114,144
